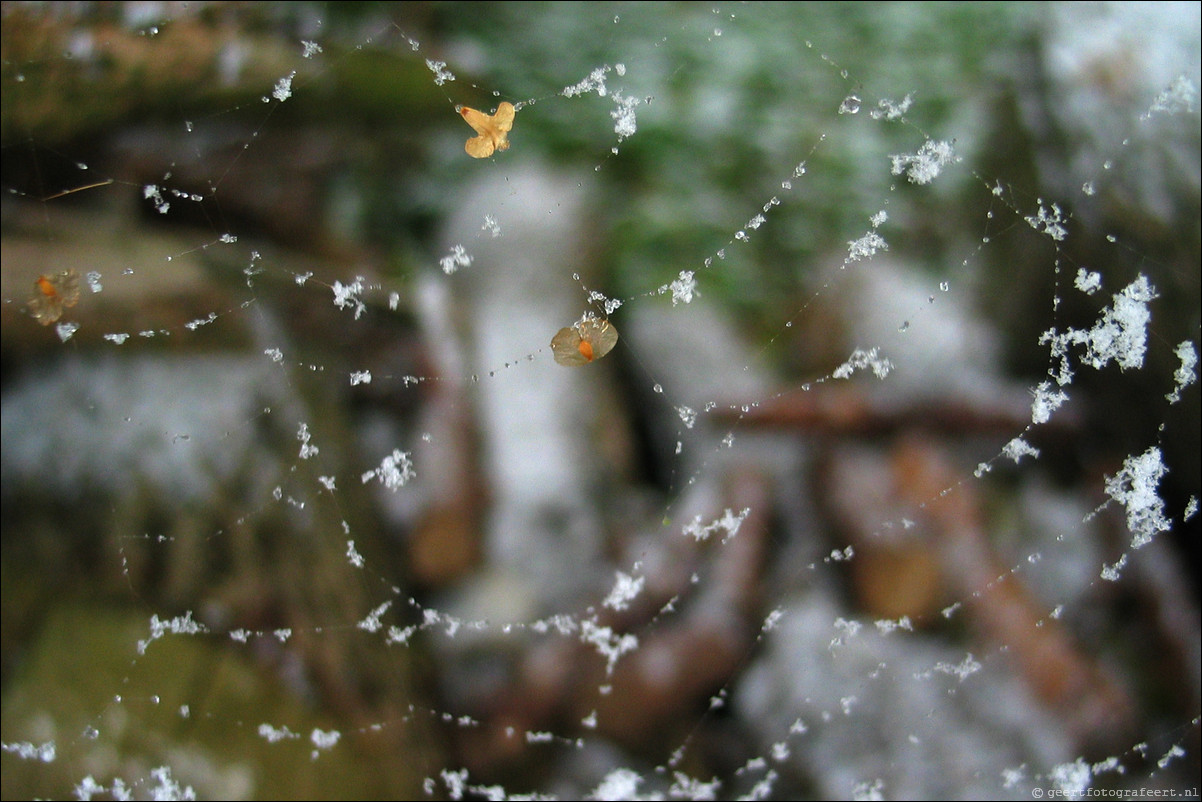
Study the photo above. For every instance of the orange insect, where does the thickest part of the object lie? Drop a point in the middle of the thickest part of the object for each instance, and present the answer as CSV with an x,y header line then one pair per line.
x,y
583,342
493,130
53,294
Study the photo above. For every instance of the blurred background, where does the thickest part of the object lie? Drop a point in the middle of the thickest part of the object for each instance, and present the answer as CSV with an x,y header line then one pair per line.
x,y
192,439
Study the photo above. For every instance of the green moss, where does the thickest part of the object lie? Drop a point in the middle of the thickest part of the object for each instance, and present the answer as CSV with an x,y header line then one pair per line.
x,y
74,669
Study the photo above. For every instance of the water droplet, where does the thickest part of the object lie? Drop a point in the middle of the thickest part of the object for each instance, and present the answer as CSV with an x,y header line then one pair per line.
x,y
904,326
850,105
943,285
658,388
91,733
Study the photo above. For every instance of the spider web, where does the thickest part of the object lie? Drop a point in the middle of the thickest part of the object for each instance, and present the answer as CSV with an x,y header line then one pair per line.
x,y
887,490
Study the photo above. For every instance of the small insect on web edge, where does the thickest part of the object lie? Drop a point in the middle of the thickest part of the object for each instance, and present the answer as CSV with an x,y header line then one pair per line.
x,y
493,129
583,342
52,294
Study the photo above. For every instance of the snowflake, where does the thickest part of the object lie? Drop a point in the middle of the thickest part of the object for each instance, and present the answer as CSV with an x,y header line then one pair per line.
x,y
924,166
683,288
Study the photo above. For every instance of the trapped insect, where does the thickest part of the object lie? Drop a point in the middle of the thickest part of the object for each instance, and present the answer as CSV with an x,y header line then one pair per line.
x,y
583,341
52,294
493,130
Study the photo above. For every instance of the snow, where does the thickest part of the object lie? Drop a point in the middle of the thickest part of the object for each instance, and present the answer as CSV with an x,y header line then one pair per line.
x,y
45,752
728,523
396,470
595,82
626,589
1046,401
348,295
625,123
457,258
283,88
866,247
179,625
829,696
861,360
323,739
1187,373
1018,448
441,74
1120,333
926,164
1136,487
683,288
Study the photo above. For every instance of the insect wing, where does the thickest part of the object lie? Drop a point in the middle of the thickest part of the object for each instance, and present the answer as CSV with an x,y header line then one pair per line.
x,y
601,334
503,120
482,146
565,347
